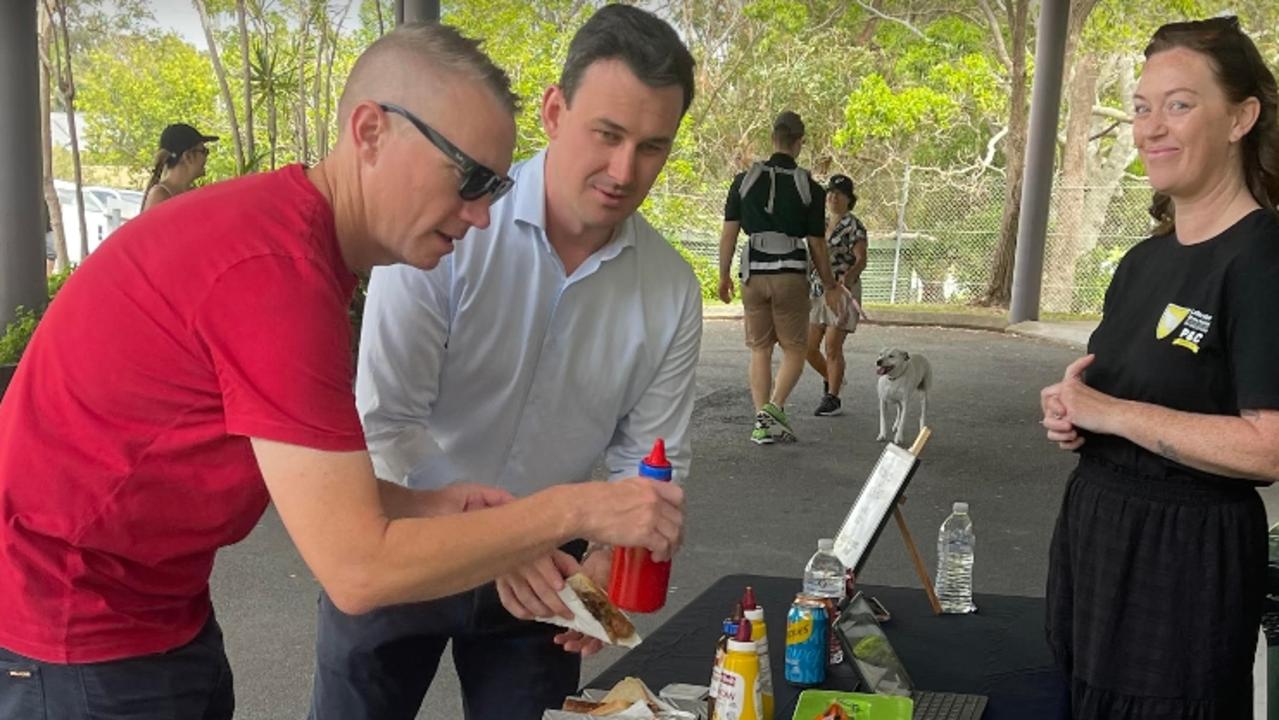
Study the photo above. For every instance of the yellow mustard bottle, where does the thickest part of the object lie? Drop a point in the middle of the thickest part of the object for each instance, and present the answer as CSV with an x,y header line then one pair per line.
x,y
759,635
739,684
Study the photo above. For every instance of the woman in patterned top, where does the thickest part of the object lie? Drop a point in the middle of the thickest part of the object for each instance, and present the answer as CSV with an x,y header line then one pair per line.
x,y
847,241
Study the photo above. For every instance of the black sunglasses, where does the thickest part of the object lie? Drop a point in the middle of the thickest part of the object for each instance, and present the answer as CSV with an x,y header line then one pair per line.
x,y
477,180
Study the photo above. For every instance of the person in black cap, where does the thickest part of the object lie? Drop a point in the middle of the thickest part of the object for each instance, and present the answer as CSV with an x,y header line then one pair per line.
x,y
779,207
846,244
178,163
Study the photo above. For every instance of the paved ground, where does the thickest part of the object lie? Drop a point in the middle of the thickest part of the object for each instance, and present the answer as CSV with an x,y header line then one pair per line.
x,y
753,509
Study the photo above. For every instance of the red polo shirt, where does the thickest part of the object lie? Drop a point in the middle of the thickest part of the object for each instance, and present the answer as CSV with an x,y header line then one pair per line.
x,y
125,460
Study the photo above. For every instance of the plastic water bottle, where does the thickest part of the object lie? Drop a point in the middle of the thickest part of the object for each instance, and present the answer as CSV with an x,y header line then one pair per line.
x,y
824,574
955,542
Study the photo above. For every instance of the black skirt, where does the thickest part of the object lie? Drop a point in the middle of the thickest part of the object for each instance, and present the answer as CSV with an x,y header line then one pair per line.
x,y
1155,590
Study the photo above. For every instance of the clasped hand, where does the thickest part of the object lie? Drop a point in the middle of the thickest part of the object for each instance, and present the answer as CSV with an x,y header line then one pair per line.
x,y
1071,405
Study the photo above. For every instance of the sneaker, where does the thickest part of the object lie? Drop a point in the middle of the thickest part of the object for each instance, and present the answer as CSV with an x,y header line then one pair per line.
x,y
763,433
779,416
829,406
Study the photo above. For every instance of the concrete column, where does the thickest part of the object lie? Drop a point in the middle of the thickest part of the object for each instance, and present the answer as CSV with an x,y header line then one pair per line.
x,y
1045,108
21,216
421,10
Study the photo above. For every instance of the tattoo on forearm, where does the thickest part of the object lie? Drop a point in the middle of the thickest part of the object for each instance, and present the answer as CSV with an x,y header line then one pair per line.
x,y
1168,451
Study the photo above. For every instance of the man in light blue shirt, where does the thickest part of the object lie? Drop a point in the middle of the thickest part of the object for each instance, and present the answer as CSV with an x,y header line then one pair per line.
x,y
567,330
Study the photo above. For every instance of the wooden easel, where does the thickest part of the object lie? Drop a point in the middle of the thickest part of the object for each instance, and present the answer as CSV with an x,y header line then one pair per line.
x,y
920,570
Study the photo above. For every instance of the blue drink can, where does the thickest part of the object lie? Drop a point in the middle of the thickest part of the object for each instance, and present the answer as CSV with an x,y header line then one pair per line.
x,y
807,625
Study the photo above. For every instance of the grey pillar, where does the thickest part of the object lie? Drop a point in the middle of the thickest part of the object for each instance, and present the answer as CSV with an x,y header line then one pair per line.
x,y
420,10
1045,107
21,218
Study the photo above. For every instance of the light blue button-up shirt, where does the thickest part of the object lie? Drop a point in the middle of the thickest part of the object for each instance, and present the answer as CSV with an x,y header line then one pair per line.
x,y
497,367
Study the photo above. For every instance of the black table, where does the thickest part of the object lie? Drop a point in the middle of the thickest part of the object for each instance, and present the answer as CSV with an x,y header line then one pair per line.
x,y
999,651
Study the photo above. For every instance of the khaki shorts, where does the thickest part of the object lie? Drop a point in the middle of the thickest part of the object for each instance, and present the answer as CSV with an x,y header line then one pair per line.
x,y
821,315
776,310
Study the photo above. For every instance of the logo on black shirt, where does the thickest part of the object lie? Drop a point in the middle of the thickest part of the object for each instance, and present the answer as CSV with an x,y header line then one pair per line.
x,y
1193,326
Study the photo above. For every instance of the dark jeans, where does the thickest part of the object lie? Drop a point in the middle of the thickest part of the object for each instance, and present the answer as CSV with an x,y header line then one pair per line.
x,y
378,666
192,682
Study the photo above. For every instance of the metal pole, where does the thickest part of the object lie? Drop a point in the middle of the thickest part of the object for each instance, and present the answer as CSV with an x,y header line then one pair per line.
x,y
421,10
1045,107
22,231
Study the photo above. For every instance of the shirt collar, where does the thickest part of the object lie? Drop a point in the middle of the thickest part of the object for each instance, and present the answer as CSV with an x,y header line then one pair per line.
x,y
529,193
781,159
529,198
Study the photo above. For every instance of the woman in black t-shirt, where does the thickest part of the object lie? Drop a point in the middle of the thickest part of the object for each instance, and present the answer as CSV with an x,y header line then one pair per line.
x,y
1158,560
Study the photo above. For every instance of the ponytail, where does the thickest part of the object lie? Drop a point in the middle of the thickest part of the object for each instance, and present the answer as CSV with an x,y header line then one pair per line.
x,y
163,158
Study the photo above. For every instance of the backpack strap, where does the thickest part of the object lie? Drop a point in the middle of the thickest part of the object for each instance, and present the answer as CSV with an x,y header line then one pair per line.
x,y
757,169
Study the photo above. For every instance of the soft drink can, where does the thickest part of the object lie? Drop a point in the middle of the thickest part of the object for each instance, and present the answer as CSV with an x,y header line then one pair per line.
x,y
807,626
834,651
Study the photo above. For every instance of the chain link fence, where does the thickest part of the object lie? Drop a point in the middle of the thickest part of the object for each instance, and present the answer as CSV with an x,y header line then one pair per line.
x,y
933,237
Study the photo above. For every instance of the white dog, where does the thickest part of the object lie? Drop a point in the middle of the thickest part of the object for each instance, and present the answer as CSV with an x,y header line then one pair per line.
x,y
902,377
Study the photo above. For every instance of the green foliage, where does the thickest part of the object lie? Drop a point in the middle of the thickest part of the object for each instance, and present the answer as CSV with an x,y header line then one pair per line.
x,y
131,88
876,111
705,270
789,16
17,334
911,84
530,42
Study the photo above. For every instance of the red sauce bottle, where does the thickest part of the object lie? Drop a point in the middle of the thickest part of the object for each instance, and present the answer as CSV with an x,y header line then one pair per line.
x,y
637,583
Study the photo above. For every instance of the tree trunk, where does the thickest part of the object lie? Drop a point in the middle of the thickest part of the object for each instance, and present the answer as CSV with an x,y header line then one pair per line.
x,y
326,119
52,205
218,70
317,83
1104,179
1062,248
251,154
299,86
903,199
272,126
66,85
999,290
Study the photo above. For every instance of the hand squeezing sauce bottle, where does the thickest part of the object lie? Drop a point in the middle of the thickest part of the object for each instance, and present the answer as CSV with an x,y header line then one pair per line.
x,y
638,583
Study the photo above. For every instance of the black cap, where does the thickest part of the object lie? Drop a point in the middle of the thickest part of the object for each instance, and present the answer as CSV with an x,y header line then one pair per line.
x,y
842,183
790,122
180,137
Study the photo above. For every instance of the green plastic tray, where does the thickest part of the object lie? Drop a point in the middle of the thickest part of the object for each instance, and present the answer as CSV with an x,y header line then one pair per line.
x,y
859,705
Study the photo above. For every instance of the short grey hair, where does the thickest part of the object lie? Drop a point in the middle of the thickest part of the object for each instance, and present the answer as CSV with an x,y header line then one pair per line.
x,y
442,47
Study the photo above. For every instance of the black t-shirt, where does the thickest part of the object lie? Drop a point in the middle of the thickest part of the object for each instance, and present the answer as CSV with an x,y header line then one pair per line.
x,y
1190,327
789,216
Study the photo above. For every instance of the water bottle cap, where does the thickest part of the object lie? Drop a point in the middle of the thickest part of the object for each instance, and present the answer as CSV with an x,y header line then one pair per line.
x,y
730,627
961,507
826,544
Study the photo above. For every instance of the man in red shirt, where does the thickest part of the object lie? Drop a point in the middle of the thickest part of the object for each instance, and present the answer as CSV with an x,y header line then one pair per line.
x,y
197,366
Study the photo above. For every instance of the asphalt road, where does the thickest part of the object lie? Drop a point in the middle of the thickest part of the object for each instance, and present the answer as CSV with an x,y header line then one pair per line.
x,y
753,509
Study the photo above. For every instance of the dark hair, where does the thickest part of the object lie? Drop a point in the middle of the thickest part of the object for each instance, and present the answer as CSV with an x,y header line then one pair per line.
x,y
646,43
163,159
788,129
1242,73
